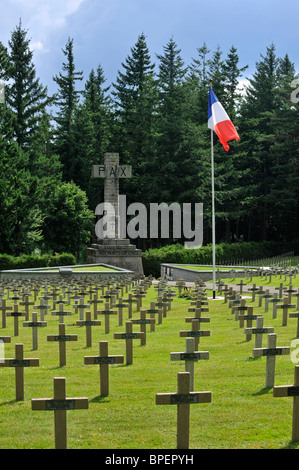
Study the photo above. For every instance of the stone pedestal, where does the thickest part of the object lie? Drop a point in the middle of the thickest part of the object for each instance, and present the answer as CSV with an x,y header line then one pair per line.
x,y
116,252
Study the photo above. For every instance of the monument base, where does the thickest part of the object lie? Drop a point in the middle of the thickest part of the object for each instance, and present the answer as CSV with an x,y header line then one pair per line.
x,y
116,252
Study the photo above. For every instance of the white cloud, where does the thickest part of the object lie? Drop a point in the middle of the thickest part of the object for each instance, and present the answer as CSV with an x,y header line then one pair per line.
x,y
40,17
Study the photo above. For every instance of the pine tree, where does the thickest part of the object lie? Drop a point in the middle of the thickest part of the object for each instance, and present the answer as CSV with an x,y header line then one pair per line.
x,y
67,100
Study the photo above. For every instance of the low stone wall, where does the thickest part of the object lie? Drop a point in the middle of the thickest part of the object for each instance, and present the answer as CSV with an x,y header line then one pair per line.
x,y
174,273
67,274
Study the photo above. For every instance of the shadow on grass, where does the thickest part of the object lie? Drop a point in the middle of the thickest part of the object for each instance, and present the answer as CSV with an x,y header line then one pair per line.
x,y
99,399
291,445
263,391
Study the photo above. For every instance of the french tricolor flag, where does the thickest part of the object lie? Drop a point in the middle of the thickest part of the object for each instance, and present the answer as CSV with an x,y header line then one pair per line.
x,y
219,121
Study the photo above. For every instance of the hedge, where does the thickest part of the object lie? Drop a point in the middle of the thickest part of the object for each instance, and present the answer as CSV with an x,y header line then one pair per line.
x,y
36,261
225,252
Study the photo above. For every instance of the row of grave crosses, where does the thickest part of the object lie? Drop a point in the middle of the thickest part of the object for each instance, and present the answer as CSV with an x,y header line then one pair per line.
x,y
185,394
243,312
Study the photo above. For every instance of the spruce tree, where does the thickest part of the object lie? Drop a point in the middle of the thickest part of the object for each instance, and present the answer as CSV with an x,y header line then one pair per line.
x,y
170,123
134,98
25,95
67,99
257,129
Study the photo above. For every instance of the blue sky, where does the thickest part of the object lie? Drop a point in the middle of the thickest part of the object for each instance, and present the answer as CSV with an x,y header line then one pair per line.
x,y
105,30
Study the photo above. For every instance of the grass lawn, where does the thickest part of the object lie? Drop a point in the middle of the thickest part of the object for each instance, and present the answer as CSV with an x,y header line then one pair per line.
x,y
275,281
243,414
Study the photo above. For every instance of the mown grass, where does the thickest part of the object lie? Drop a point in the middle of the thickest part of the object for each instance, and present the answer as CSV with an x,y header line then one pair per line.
x,y
242,414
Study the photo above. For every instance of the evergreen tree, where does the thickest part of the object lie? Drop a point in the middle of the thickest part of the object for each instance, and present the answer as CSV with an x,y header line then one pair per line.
x,y
256,126
24,93
67,100
232,75
170,124
197,86
20,217
92,130
134,94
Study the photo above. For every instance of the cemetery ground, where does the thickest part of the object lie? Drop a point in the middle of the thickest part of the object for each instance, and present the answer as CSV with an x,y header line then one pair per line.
x,y
243,414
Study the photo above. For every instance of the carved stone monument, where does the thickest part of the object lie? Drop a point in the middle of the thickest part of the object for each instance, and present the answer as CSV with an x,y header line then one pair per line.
x,y
110,249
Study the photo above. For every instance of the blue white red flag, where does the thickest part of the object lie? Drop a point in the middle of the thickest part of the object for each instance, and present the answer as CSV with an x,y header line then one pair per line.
x,y
219,121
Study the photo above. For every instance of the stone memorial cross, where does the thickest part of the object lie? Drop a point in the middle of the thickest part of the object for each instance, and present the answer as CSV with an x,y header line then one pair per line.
x,y
112,171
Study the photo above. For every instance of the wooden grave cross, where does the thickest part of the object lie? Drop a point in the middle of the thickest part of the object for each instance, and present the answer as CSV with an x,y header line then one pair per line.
x,y
26,304
34,324
107,312
249,317
189,356
260,293
139,296
59,404
180,284
129,336
183,399
254,290
94,302
143,321
259,331
104,360
198,304
60,312
271,351
240,308
167,302
88,323
275,301
289,290
152,311
195,332
4,309
120,306
130,301
16,314
235,303
280,289
62,338
81,307
285,306
225,292
161,305
241,285
199,319
19,363
291,391
267,296
43,307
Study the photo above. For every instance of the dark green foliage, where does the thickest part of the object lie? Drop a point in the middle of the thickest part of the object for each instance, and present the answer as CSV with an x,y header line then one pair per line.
x,y
225,253
155,117
36,261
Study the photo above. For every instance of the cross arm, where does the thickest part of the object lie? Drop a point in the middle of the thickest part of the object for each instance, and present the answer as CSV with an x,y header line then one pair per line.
x,y
40,404
259,352
178,398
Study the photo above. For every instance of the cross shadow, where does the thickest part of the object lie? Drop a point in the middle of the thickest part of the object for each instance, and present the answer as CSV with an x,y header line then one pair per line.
x,y
263,391
99,399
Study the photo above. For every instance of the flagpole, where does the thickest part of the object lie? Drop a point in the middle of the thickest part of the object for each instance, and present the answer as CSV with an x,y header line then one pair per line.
x,y
213,214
